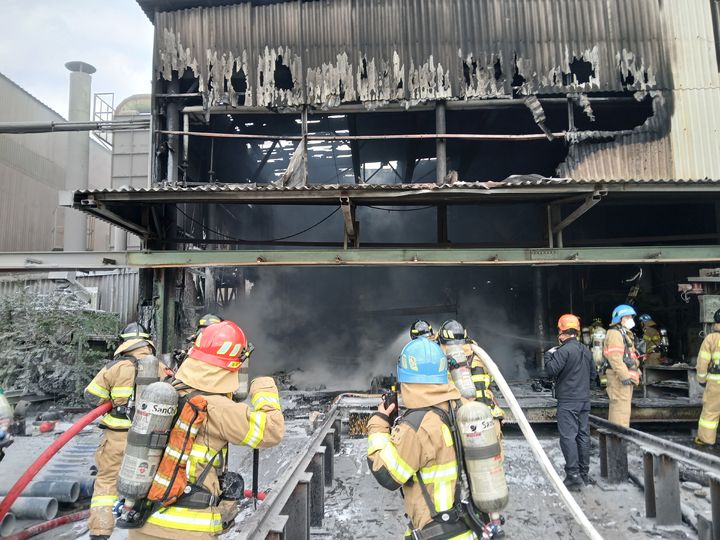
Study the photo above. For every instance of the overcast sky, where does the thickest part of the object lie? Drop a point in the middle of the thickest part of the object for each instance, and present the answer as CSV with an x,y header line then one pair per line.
x,y
37,37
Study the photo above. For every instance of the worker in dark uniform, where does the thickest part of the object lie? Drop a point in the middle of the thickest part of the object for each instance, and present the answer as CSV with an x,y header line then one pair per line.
x,y
571,366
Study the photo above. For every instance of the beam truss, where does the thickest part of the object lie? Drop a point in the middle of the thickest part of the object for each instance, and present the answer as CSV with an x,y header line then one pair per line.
x,y
58,260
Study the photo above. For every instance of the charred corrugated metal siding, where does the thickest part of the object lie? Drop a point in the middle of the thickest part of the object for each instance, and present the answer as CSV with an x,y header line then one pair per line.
x,y
326,53
345,51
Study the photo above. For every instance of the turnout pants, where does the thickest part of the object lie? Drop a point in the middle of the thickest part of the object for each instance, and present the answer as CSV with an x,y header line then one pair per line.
x,y
710,415
620,397
573,426
108,459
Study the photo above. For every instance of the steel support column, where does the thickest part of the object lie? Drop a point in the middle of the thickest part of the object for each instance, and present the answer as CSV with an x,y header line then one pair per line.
x,y
649,481
329,444
298,510
172,121
617,460
441,144
715,503
540,315
667,494
317,487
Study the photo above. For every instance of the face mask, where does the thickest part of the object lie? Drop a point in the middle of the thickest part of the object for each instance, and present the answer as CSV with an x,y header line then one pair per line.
x,y
629,323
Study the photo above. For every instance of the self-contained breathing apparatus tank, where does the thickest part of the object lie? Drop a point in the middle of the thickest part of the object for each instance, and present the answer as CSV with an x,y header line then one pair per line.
x,y
598,338
459,367
148,372
483,456
147,438
244,379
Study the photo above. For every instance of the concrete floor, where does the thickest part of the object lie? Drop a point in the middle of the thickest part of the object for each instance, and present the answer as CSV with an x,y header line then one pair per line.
x,y
356,507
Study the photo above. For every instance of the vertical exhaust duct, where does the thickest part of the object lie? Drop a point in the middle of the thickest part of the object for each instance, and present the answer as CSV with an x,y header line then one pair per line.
x,y
78,153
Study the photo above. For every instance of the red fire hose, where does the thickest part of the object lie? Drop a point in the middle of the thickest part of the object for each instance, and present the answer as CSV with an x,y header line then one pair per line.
x,y
48,525
49,452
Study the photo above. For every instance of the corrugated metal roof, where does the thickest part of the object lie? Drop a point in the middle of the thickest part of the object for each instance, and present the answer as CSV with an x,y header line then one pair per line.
x,y
518,182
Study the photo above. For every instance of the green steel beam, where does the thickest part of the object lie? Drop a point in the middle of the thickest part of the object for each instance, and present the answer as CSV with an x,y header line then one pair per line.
x,y
58,260
431,257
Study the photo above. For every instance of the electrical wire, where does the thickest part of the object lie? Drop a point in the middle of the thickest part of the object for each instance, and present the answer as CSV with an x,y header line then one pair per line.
x,y
218,233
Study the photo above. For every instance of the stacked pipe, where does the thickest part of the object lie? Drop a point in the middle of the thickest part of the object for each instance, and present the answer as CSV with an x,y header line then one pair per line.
x,y
39,499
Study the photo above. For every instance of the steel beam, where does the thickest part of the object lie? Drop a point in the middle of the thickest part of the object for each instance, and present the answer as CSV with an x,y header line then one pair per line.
x,y
617,460
57,260
667,494
649,483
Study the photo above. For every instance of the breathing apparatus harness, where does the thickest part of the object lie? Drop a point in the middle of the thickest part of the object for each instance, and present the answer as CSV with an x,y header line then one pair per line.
x,y
177,490
463,515
628,358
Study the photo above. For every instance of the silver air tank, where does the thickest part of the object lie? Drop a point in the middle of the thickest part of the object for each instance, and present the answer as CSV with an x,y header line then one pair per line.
x,y
148,372
244,381
483,456
146,441
459,368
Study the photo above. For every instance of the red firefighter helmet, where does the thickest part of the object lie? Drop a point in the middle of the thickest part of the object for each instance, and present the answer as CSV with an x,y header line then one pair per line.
x,y
220,344
568,321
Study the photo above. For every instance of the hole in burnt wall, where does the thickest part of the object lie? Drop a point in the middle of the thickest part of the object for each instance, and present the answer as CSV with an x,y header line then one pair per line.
x,y
470,70
581,71
282,74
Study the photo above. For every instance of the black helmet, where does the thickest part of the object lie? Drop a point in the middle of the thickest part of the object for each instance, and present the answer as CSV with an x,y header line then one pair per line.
x,y
420,328
452,333
208,319
134,330
716,317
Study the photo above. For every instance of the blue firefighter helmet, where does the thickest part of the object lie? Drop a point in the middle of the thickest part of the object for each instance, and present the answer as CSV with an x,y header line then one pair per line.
x,y
623,310
645,318
422,362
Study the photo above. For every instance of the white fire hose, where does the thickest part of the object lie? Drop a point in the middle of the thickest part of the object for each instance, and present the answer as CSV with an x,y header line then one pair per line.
x,y
537,450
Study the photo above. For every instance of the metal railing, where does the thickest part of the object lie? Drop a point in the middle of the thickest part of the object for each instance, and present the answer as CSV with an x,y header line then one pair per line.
x,y
661,474
298,503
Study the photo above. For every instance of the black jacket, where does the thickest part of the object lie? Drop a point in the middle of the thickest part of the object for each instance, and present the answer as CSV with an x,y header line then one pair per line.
x,y
572,367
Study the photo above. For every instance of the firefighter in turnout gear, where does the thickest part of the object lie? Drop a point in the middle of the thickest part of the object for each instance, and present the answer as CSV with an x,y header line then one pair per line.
x,y
708,375
653,341
418,454
623,367
420,328
115,382
453,334
210,370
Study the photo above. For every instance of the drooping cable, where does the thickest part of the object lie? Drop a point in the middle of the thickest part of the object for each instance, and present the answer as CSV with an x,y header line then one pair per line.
x,y
218,233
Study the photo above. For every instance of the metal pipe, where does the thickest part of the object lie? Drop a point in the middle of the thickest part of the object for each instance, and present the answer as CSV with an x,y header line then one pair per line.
x,y
538,289
86,484
349,108
172,122
440,143
44,508
78,153
66,491
409,136
19,128
7,524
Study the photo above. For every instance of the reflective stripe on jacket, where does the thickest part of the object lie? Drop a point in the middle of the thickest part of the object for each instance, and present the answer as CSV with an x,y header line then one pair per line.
x,y
227,423
396,458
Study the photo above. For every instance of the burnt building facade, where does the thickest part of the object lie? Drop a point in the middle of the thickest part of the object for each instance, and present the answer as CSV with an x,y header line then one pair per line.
x,y
537,154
